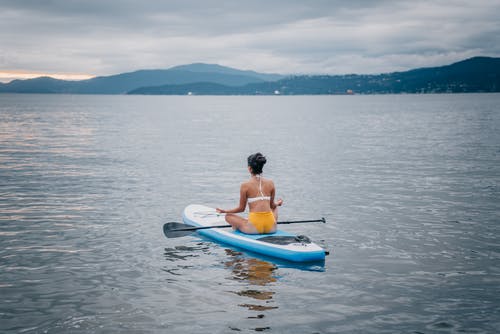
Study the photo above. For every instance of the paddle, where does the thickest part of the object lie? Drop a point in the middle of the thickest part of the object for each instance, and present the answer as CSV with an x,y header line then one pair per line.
x,y
177,230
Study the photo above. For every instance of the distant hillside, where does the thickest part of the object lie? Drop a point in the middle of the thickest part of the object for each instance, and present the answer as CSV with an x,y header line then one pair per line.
x,y
125,82
197,88
38,85
214,68
479,74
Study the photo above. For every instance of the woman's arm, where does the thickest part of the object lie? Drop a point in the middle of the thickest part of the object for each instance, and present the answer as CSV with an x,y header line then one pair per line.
x,y
278,202
242,205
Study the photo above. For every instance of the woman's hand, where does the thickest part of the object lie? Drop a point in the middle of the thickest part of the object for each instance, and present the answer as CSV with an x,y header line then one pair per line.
x,y
279,202
220,210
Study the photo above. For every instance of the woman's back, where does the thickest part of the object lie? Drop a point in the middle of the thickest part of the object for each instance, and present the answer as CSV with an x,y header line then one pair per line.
x,y
259,192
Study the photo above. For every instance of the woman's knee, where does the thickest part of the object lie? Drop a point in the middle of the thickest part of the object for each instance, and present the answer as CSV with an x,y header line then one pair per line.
x,y
229,217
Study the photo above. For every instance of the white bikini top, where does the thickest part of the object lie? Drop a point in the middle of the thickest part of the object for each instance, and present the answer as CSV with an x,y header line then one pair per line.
x,y
261,197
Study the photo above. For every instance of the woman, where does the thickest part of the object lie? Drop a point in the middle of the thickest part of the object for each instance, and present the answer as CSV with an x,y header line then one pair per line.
x,y
259,194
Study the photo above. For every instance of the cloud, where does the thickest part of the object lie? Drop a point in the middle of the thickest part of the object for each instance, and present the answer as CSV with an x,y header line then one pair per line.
x,y
337,37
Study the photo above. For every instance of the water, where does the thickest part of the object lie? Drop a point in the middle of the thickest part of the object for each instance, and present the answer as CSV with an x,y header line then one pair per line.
x,y
409,185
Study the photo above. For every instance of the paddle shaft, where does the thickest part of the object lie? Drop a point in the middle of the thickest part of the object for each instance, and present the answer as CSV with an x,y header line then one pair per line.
x,y
195,228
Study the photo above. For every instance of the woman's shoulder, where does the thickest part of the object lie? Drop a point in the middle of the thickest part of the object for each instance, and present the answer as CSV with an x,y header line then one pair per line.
x,y
245,184
268,180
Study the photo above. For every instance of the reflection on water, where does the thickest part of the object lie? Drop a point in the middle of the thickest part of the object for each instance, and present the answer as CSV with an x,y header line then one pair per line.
x,y
182,258
254,280
257,274
181,253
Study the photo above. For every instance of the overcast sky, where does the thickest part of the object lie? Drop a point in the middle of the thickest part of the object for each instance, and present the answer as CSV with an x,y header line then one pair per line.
x,y
100,37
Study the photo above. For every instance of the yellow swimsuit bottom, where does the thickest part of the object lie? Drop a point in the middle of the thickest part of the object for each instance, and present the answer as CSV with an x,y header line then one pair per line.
x,y
263,221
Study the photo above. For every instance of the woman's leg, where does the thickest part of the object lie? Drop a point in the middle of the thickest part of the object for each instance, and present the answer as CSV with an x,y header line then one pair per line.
x,y
235,221
240,223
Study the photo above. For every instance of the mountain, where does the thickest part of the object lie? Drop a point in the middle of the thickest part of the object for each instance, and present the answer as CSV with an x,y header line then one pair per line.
x,y
479,74
36,85
125,82
214,68
197,88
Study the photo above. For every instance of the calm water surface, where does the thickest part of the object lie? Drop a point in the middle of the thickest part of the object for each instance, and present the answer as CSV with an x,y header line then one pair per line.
x,y
409,185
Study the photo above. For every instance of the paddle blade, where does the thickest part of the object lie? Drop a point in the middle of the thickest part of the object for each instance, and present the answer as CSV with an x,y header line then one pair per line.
x,y
171,230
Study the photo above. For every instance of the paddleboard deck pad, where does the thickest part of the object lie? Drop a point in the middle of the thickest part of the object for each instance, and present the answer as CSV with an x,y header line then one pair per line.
x,y
280,244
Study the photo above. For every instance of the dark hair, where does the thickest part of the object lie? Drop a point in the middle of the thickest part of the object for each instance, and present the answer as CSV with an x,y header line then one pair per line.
x,y
256,162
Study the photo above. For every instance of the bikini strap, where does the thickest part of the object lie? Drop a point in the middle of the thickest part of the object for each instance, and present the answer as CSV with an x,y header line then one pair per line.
x,y
260,185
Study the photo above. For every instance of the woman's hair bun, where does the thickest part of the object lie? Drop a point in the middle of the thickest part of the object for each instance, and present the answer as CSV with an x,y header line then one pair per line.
x,y
256,162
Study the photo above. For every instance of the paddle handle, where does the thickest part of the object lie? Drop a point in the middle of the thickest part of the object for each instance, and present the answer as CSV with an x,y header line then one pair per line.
x,y
195,228
322,220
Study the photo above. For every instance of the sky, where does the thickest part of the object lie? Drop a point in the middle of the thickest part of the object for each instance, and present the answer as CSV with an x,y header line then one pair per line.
x,y
72,39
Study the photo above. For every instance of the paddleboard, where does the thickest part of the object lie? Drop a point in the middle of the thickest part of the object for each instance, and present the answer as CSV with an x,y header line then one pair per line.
x,y
280,244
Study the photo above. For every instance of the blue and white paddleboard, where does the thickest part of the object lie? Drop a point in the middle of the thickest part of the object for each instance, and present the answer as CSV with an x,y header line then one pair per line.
x,y
280,244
